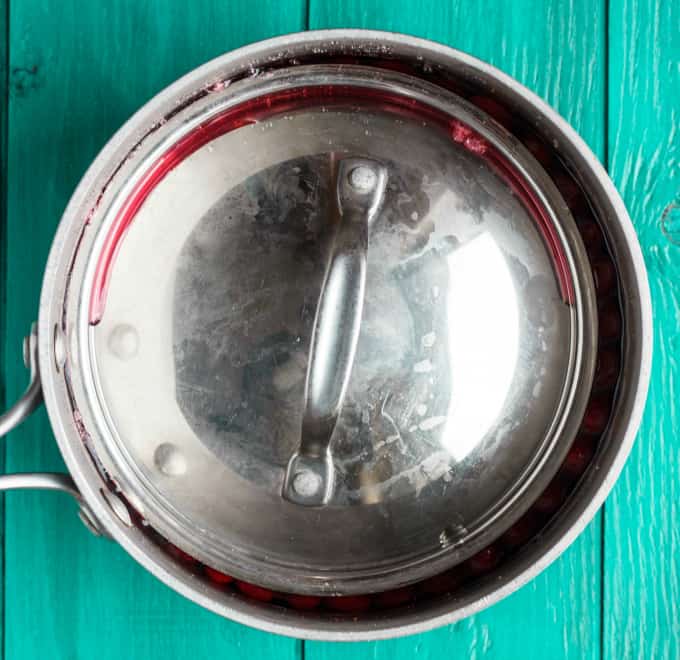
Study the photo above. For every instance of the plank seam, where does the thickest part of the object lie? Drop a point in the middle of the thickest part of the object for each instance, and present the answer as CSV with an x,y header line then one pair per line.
x,y
4,137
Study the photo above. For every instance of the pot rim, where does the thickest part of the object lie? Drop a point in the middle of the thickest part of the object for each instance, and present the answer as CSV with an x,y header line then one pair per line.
x,y
560,534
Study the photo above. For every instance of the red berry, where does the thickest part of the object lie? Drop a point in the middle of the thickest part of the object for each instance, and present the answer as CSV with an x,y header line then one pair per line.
x,y
180,555
538,149
604,275
596,416
255,592
552,497
217,577
348,603
579,456
299,602
610,321
571,193
521,531
440,584
484,560
494,109
592,237
394,597
607,368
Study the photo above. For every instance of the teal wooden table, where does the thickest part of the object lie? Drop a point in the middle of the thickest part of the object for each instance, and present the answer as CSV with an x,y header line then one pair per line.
x,y
74,70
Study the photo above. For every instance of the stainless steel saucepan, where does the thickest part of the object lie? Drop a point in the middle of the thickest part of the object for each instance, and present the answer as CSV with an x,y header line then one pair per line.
x,y
344,335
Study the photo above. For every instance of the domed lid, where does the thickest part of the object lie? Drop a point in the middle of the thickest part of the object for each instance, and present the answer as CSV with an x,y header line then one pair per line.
x,y
341,330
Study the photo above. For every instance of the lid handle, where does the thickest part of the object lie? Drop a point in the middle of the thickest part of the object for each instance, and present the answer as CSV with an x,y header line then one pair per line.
x,y
360,186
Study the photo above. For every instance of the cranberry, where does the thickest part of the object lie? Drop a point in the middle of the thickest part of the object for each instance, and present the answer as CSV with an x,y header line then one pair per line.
x,y
440,584
604,275
579,456
571,192
484,560
592,237
494,109
217,577
538,149
255,592
607,368
596,416
521,531
299,602
180,555
394,597
610,321
348,603
552,497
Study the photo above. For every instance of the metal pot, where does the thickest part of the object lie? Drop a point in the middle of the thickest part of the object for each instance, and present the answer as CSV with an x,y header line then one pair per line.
x,y
344,335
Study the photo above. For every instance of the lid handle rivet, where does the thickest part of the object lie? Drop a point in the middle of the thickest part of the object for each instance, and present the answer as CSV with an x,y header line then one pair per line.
x,y
306,483
363,178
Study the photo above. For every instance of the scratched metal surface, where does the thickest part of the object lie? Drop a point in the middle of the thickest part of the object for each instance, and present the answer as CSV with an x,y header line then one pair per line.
x,y
72,72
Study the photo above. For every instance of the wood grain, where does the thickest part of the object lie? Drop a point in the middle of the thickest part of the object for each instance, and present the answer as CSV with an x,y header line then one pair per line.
x,y
642,541
557,49
4,57
77,71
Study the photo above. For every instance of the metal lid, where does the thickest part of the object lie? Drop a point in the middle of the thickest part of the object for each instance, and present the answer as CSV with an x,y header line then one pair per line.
x,y
341,330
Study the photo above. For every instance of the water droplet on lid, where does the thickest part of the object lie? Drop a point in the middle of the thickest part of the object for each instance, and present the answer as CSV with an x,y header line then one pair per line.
x,y
170,460
123,341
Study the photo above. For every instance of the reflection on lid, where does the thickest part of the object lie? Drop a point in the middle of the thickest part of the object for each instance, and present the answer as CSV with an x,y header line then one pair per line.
x,y
481,299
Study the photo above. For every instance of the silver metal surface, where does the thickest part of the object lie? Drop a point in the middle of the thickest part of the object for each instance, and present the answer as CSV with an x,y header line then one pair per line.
x,y
360,188
32,397
77,431
470,375
28,402
40,481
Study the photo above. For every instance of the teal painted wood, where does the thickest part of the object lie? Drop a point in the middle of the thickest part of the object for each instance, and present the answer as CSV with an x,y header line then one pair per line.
x,y
78,70
70,596
4,57
642,543
557,49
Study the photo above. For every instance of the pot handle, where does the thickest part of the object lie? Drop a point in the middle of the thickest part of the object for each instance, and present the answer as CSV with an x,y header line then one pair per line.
x,y
24,406
32,397
360,187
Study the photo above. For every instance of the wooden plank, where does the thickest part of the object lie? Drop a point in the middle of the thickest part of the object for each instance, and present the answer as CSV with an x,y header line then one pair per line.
x,y
4,56
642,546
557,50
78,70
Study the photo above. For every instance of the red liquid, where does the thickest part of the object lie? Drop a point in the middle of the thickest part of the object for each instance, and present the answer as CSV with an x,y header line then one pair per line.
x,y
295,99
348,603
393,598
254,592
302,602
217,577
442,583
